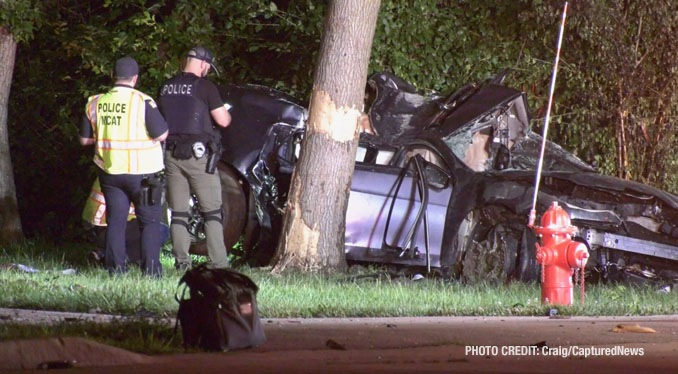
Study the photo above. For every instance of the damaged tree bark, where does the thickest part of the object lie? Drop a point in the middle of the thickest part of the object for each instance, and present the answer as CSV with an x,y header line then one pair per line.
x,y
10,223
312,237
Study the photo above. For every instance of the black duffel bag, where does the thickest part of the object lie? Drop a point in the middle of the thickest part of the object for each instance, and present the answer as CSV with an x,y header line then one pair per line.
x,y
221,313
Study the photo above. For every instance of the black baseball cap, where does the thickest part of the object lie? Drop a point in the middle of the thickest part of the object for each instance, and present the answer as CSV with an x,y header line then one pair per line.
x,y
126,67
202,53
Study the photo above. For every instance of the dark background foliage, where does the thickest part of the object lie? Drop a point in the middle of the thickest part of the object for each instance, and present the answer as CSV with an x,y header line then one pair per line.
x,y
615,104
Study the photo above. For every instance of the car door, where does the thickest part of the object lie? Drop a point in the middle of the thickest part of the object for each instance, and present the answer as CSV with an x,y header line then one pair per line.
x,y
386,221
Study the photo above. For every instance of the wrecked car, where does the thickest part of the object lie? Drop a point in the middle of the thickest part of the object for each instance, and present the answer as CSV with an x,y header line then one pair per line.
x,y
445,183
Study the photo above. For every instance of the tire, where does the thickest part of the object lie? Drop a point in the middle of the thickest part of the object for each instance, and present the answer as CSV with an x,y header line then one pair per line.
x,y
527,268
251,230
258,244
490,251
234,206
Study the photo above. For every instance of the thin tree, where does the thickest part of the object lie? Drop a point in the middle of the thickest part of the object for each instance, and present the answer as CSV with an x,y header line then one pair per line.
x,y
10,223
312,237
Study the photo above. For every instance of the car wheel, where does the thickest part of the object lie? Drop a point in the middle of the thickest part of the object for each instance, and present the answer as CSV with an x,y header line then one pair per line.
x,y
258,243
527,268
233,204
196,229
490,251
251,230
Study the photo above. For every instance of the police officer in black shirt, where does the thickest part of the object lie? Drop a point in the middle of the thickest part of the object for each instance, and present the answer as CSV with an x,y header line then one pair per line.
x,y
191,104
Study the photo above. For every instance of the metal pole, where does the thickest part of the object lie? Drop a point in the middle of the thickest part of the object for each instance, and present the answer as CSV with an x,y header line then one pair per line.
x,y
540,164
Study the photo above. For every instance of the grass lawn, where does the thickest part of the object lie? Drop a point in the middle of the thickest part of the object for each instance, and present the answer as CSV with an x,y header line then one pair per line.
x,y
65,282
91,289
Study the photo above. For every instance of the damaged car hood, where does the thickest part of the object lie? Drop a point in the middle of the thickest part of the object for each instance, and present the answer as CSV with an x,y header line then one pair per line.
x,y
474,122
474,127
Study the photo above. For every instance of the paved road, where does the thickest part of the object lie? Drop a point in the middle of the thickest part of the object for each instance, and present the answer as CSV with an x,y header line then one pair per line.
x,y
392,345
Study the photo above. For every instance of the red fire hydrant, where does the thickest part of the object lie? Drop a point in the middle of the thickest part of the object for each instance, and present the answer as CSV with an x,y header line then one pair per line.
x,y
559,256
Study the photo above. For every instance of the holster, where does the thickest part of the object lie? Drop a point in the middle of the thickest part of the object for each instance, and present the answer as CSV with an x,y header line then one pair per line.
x,y
151,189
213,157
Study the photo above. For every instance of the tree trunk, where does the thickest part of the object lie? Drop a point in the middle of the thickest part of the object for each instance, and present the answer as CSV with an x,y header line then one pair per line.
x,y
10,223
312,237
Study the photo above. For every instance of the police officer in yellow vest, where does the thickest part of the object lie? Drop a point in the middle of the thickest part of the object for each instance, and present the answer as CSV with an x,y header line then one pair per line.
x,y
126,129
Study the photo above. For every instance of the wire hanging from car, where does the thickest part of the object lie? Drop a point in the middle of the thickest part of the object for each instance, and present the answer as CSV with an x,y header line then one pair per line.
x,y
540,164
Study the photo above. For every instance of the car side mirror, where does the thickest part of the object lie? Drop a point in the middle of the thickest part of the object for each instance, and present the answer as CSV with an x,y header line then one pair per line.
x,y
436,176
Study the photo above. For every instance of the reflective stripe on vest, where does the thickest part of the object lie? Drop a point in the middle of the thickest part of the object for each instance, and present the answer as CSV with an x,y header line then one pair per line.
x,y
123,145
95,207
91,111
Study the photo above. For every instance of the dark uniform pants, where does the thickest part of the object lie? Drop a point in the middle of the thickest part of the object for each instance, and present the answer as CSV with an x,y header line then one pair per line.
x,y
119,190
184,176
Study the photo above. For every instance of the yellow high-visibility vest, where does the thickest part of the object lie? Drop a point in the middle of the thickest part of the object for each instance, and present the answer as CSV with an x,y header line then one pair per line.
x,y
123,145
95,207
